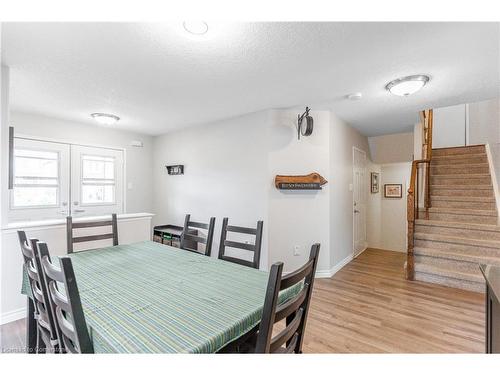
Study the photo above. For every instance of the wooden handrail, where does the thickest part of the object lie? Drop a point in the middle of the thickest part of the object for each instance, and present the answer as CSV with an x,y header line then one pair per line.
x,y
413,190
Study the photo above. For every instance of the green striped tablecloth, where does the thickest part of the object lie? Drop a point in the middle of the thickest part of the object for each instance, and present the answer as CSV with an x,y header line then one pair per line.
x,y
151,298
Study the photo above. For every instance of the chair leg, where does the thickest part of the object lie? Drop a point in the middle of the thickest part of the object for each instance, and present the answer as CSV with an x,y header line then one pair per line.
x,y
31,328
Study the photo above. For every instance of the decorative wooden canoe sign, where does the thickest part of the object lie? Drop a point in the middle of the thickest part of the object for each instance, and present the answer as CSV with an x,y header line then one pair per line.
x,y
312,181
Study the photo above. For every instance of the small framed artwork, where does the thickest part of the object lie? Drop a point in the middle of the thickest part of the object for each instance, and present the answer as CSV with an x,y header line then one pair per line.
x,y
374,182
393,191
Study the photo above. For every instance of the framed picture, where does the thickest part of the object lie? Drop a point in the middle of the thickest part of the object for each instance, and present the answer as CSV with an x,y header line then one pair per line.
x,y
393,191
374,182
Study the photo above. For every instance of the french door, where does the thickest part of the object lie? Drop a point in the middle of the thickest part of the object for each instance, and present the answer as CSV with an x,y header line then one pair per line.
x,y
96,181
41,180
54,180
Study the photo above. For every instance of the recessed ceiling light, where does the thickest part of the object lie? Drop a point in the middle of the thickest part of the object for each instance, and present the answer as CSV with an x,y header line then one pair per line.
x,y
105,118
407,85
355,96
196,27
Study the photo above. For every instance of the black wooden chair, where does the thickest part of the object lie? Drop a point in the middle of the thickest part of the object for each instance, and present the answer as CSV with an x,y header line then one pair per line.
x,y
294,310
255,247
48,338
91,224
69,315
190,241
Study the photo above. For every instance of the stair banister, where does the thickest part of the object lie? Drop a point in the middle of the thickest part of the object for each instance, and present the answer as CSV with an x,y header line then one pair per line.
x,y
413,190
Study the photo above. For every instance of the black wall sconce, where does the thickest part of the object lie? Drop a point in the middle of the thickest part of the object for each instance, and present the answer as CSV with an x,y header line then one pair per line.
x,y
175,169
305,129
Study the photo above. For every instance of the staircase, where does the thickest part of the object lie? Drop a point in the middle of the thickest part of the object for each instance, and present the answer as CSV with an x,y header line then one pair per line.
x,y
462,228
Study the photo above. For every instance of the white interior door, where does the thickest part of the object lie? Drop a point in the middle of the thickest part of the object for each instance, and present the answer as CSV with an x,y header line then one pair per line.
x,y
359,200
41,180
96,181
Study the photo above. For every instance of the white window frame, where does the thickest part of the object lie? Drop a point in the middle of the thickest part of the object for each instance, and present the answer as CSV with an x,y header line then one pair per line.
x,y
12,206
101,179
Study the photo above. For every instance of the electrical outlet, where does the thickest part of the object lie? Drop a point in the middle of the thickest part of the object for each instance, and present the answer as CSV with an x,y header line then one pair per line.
x,y
296,250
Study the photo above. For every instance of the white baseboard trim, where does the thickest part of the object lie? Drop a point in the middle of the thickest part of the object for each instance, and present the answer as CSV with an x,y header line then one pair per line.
x,y
326,274
13,315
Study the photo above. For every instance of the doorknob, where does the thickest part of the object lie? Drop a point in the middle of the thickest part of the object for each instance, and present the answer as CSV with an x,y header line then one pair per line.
x,y
356,211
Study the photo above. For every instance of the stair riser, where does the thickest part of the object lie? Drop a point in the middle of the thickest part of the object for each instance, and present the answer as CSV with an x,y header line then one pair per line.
x,y
459,169
451,282
459,159
474,219
459,248
458,151
450,264
440,180
464,205
459,232
463,192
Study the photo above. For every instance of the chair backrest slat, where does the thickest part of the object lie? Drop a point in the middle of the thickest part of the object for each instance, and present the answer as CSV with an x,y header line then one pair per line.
x,y
68,309
294,310
71,239
255,248
296,276
189,239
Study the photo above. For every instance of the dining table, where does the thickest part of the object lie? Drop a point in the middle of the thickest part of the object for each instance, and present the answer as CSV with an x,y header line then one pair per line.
x,y
147,297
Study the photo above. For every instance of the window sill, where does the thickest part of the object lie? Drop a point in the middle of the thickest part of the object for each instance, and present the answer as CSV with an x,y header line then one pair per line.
x,y
62,222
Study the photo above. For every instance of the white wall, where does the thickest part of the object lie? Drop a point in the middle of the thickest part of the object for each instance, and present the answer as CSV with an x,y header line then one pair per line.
x,y
229,171
374,210
484,128
393,210
391,148
298,218
449,126
342,139
226,174
139,160
392,155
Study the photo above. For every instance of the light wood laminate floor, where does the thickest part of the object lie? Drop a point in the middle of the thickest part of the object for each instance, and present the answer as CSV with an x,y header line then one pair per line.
x,y
368,307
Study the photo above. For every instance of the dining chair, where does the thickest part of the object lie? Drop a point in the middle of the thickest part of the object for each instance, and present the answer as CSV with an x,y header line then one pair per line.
x,y
48,338
254,248
69,315
91,224
294,310
190,241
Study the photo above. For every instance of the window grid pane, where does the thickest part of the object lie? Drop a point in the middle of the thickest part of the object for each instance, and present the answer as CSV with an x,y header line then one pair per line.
x,y
36,178
98,180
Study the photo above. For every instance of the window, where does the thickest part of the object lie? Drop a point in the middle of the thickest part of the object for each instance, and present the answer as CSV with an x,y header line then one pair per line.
x,y
98,180
36,178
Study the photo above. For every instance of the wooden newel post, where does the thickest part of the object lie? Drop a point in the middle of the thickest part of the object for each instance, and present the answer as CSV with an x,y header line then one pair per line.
x,y
410,210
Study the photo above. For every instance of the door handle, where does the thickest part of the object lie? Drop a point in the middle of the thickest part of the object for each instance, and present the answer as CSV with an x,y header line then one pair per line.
x,y
356,211
78,210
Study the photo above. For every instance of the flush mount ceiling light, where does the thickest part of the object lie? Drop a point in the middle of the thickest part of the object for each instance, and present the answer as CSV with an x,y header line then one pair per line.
x,y
407,85
195,27
105,118
355,96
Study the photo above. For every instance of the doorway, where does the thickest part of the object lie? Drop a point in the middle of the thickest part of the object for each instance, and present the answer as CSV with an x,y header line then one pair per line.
x,y
359,190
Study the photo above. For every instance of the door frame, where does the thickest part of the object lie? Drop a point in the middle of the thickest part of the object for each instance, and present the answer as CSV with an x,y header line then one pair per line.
x,y
354,255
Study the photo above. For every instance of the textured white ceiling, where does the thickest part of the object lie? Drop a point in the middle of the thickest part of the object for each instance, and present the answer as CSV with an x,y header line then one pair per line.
x,y
158,78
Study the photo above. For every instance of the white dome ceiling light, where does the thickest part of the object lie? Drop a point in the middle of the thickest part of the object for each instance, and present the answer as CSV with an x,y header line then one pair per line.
x,y
195,27
407,85
105,118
